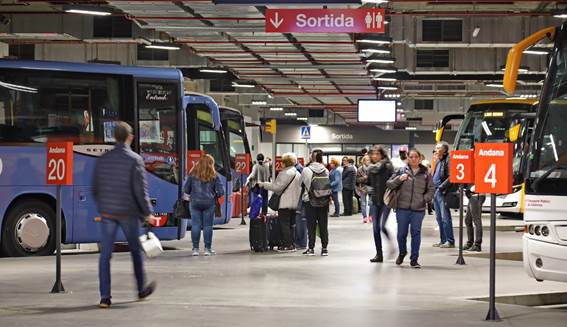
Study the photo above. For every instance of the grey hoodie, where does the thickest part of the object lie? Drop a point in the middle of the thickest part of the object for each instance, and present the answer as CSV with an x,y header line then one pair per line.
x,y
307,175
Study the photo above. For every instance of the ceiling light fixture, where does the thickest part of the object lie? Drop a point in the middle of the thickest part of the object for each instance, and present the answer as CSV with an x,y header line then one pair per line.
x,y
234,84
536,51
374,1
87,10
213,70
476,31
383,70
302,118
375,40
411,128
385,79
388,88
290,114
259,103
380,51
560,15
381,61
163,46
494,85
276,109
522,69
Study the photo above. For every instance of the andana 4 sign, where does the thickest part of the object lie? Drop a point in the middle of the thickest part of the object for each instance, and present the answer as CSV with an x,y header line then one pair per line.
x,y
493,168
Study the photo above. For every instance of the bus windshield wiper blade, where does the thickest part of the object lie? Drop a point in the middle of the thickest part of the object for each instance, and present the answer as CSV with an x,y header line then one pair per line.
x,y
538,180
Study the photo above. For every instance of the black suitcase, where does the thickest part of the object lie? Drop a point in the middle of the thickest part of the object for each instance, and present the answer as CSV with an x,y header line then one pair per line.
x,y
275,238
258,234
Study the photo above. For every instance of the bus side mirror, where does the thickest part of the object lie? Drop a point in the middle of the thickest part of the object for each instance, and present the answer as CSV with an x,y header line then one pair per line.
x,y
514,133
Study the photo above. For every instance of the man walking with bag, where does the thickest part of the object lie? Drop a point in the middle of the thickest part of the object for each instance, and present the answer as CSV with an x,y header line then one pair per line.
x,y
121,193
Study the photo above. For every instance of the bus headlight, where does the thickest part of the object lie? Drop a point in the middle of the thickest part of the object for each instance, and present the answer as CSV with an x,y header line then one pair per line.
x,y
545,231
537,230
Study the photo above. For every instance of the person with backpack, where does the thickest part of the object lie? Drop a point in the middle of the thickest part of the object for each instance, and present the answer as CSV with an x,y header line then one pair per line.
x,y
316,199
379,171
288,187
414,188
204,188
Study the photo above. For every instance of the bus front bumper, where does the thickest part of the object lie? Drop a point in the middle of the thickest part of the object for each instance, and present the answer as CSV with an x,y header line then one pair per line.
x,y
545,261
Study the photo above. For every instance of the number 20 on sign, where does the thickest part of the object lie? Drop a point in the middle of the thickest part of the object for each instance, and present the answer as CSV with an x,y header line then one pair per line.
x,y
461,166
493,168
59,163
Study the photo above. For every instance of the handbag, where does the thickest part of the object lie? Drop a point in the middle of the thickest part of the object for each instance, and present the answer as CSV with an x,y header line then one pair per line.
x,y
181,211
391,198
151,244
274,201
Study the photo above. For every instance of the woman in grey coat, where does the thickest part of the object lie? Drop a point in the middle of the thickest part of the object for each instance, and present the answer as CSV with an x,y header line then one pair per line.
x,y
415,188
288,186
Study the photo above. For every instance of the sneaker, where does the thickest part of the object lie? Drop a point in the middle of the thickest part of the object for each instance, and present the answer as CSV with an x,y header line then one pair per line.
x,y
324,252
335,215
377,258
104,303
437,245
195,252
447,245
286,249
415,264
400,259
468,246
209,252
309,252
147,291
476,248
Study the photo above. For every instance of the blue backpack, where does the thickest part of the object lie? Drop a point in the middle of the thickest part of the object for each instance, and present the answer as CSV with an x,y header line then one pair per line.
x,y
256,205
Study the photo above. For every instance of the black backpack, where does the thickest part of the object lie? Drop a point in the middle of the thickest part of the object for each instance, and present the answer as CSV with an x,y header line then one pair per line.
x,y
320,190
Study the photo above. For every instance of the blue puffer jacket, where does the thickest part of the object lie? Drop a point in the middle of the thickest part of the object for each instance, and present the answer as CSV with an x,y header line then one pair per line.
x,y
120,188
203,194
336,178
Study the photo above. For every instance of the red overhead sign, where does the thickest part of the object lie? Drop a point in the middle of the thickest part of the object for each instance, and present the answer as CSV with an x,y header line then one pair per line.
x,y
370,20
59,163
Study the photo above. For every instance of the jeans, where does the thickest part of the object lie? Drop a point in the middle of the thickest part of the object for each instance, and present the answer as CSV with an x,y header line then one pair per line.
x,y
347,201
318,216
474,215
300,226
202,218
286,217
131,229
335,197
443,215
409,220
379,214
364,204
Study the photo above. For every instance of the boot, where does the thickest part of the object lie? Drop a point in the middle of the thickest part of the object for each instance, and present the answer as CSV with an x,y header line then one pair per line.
x,y
377,258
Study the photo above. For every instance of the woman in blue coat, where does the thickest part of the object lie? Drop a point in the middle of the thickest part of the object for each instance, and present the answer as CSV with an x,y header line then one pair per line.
x,y
336,177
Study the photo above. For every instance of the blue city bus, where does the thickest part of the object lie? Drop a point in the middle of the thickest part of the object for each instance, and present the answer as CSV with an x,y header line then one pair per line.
x,y
53,101
205,132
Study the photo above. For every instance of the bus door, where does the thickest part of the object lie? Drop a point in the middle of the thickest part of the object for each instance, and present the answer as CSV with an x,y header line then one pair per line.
x,y
204,132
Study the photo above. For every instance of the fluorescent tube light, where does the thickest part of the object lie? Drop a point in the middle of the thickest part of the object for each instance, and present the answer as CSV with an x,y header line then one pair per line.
x,y
381,51
290,114
385,79
383,70
213,70
276,109
476,31
494,85
380,61
259,103
389,88
162,47
93,11
302,118
535,51
234,84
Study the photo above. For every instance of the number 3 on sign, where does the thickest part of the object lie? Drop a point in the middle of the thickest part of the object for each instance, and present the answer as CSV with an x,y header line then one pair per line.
x,y
461,171
490,177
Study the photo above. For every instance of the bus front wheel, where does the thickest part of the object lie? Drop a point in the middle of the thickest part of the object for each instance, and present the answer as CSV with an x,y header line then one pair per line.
x,y
29,230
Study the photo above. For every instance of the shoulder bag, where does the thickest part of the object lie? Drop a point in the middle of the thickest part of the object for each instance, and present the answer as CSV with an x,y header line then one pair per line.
x,y
274,201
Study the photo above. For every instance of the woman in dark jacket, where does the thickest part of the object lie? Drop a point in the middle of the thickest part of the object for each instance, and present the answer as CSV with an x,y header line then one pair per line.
x,y
415,188
204,188
379,171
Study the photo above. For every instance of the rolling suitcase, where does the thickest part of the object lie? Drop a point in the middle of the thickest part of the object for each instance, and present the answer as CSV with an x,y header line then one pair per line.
x,y
275,238
258,234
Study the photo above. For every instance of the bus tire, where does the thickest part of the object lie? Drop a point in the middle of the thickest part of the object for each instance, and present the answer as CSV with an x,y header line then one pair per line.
x,y
29,230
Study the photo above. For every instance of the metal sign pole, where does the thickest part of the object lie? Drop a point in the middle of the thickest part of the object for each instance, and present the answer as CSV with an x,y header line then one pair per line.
x,y
461,259
274,156
492,312
58,286
242,221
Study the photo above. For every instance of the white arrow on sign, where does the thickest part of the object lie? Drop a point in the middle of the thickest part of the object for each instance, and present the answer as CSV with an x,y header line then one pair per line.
x,y
277,21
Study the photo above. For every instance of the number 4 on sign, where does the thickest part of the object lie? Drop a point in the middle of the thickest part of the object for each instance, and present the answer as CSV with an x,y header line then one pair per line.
x,y
490,177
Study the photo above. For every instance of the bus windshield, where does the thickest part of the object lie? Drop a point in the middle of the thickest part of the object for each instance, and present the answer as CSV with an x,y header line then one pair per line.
x,y
550,150
490,123
236,138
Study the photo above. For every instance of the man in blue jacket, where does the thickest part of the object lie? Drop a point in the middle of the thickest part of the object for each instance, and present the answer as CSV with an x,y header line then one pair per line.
x,y
121,193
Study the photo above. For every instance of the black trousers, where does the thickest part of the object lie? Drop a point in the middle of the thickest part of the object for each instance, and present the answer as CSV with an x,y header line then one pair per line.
x,y
264,194
474,217
347,201
318,216
287,218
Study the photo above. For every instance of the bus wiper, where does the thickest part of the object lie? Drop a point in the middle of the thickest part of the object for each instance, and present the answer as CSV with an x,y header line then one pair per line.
x,y
537,181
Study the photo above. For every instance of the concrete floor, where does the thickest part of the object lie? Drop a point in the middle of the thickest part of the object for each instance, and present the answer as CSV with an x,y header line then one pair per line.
x,y
237,288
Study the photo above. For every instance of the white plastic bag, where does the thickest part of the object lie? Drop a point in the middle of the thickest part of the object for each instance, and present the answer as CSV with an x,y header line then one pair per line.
x,y
151,245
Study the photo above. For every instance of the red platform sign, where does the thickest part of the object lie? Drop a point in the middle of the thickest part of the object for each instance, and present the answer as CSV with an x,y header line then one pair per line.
x,y
461,167
368,20
59,163
301,161
242,164
493,168
279,164
192,157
